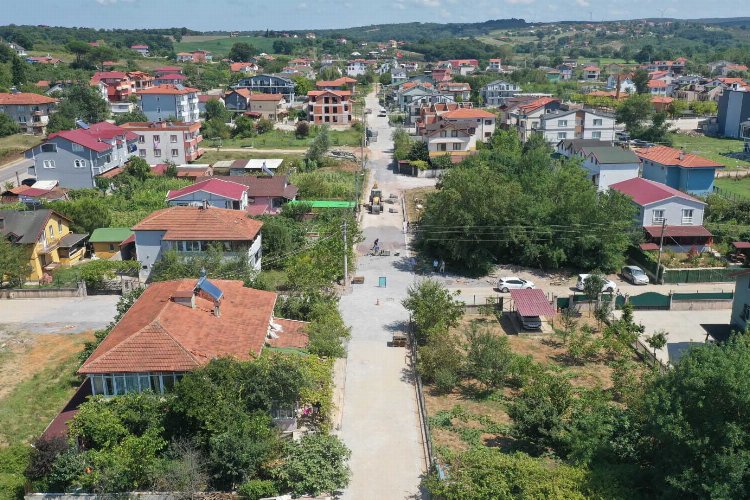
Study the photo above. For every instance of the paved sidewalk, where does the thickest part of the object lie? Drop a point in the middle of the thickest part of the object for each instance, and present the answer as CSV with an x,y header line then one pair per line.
x,y
380,421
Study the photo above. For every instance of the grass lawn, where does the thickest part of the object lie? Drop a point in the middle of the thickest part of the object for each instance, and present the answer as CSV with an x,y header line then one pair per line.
x,y
212,156
280,139
221,45
739,187
713,148
12,146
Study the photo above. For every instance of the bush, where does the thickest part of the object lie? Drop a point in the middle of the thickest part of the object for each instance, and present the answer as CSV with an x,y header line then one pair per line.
x,y
302,130
258,488
314,465
441,361
11,486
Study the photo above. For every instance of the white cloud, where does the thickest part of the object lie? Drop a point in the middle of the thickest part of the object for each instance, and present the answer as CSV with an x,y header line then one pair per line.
x,y
399,6
583,3
113,2
519,2
428,3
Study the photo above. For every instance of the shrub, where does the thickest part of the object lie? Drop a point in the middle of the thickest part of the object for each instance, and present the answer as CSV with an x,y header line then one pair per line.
x,y
302,130
258,488
441,359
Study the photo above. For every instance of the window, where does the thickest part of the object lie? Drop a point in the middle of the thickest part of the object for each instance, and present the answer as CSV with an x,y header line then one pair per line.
x,y
562,135
48,164
77,147
454,133
22,119
157,153
175,153
141,139
562,123
488,122
51,231
107,158
596,135
157,139
111,247
657,217
441,147
79,163
49,148
456,146
59,227
598,122
142,153
746,312
687,215
173,139
443,133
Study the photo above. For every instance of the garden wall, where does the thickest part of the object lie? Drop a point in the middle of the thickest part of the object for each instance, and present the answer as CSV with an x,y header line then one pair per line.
x,y
42,293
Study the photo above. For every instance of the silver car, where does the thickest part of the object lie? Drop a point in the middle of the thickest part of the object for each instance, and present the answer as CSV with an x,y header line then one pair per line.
x,y
608,286
635,275
513,283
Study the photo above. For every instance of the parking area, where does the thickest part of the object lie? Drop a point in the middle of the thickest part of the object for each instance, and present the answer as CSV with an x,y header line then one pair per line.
x,y
58,315
684,328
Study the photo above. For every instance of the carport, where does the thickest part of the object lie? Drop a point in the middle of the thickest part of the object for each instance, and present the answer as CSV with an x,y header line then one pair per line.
x,y
532,302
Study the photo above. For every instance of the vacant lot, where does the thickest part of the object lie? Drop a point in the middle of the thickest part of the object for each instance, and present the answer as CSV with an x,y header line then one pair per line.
x,y
738,187
279,139
221,45
415,198
13,146
713,148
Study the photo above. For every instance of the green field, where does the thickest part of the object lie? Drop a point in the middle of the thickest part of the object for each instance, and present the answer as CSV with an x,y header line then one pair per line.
x,y
278,139
712,148
220,46
739,187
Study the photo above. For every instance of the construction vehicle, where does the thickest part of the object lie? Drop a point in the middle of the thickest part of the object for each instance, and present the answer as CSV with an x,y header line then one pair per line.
x,y
376,200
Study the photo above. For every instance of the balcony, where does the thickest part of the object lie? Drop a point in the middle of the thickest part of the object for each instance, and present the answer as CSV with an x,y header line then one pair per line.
x,y
195,154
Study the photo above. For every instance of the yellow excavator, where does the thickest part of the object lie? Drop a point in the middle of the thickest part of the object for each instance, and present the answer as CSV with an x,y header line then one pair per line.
x,y
376,200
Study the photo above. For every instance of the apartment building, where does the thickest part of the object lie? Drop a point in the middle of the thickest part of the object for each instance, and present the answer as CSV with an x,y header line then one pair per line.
x,y
269,84
159,142
333,107
170,101
577,124
497,92
30,111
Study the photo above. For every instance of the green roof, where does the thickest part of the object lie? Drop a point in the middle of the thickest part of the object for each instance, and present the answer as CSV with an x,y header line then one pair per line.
x,y
324,203
110,235
610,155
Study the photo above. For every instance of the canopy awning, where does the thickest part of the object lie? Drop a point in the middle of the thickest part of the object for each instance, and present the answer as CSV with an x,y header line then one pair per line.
x,y
71,239
677,231
532,302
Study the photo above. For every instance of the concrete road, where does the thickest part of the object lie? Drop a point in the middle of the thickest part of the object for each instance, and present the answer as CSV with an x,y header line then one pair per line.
x,y
58,315
15,171
380,421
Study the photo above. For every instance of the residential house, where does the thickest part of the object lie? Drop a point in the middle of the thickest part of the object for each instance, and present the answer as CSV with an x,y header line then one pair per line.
x,y
107,242
411,66
661,104
667,215
679,170
525,114
737,84
170,101
460,91
74,158
591,73
170,79
166,70
455,139
158,142
659,87
239,99
141,49
676,66
357,67
197,56
576,124
567,72
609,165
740,319
623,82
333,107
441,75
553,75
204,98
411,91
260,166
734,109
483,122
461,66
30,111
178,326
265,194
141,80
398,75
46,238
43,60
215,192
119,85
269,106
191,231
574,147
20,51
243,67
269,84
342,83
498,92
495,65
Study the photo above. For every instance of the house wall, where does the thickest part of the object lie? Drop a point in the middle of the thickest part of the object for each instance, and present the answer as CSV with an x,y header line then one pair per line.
x,y
672,212
148,249
741,302
214,200
163,149
254,253
269,84
734,108
606,130
24,116
605,175
236,102
697,181
267,109
106,250
159,107
54,230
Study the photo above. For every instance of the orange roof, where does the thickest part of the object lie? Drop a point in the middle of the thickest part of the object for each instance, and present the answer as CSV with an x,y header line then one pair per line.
x,y
197,223
266,97
665,155
238,66
168,89
462,113
243,92
661,100
339,93
22,98
158,334
657,84
538,103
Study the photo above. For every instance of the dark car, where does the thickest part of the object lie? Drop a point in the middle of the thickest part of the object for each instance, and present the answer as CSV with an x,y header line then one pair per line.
x,y
531,322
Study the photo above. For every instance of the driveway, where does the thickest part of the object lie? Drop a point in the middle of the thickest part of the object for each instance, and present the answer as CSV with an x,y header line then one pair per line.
x,y
58,315
380,421
684,328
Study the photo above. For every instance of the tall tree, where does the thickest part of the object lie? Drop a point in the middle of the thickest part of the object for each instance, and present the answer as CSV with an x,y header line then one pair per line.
x,y
241,52
14,263
81,102
18,71
640,80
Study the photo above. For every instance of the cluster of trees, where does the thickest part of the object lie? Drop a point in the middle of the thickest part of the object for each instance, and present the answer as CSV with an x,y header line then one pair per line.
x,y
642,121
79,102
452,48
212,432
217,116
513,203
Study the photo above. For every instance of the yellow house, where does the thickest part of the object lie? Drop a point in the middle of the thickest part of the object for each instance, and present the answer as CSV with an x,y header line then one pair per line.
x,y
47,237
106,241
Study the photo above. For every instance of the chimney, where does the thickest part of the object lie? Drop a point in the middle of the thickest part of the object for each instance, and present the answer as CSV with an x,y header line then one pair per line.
x,y
682,154
204,206
217,308
185,298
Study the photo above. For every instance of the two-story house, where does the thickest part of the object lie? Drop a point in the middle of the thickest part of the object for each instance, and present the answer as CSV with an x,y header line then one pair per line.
x,y
526,115
679,170
498,92
74,158
119,85
483,122
669,218
461,92
576,124
170,79
46,238
265,194
341,83
269,106
269,84
219,193
159,142
239,99
734,109
591,73
455,139
30,111
332,107
609,165
190,231
357,67
495,66
161,102
141,49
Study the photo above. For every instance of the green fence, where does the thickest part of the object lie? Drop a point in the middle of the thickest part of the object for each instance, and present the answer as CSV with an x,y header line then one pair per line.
x,y
723,275
659,301
563,302
703,296
650,300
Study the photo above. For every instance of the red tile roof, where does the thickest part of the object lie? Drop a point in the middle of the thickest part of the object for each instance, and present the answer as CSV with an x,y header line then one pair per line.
x,y
536,104
532,302
173,76
657,84
338,93
108,75
243,92
219,187
677,231
25,98
463,113
665,155
293,334
645,192
168,89
197,223
266,97
158,334
92,137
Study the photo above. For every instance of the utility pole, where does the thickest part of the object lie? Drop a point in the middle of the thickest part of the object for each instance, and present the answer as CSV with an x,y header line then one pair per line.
x,y
661,247
346,257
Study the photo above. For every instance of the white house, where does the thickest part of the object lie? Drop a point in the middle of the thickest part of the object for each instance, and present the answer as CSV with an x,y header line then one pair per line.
x,y
577,124
609,165
357,67
217,193
497,92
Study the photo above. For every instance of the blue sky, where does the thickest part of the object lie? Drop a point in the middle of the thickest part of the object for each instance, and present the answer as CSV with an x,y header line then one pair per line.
x,y
301,14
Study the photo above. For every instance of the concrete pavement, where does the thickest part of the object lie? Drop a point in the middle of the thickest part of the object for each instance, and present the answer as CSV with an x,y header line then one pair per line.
x,y
15,171
380,421
58,315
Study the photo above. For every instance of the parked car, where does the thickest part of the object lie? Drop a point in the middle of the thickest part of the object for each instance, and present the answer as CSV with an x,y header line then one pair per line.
x,y
531,322
635,275
382,113
512,282
609,285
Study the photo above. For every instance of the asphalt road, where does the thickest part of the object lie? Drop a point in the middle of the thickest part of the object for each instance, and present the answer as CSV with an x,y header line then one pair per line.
x,y
15,171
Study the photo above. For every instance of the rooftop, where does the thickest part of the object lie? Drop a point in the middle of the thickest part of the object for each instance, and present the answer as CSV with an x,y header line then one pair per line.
x,y
95,135
532,302
25,98
466,113
110,235
168,89
665,155
611,155
645,192
26,225
219,187
198,223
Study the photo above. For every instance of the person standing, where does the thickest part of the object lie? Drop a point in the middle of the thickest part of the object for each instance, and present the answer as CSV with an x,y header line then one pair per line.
x,y
442,266
435,265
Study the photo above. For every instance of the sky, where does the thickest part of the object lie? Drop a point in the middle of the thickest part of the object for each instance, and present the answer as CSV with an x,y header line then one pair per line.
x,y
254,15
